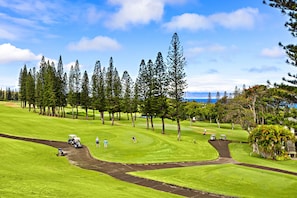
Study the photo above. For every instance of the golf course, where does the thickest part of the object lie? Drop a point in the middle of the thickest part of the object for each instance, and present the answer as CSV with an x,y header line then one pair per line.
x,y
156,165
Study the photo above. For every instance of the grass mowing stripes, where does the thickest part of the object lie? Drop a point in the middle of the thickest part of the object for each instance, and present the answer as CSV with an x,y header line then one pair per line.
x,y
241,153
228,179
33,170
151,146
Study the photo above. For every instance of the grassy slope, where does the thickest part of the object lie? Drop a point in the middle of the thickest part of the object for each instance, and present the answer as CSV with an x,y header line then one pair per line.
x,y
241,153
228,179
151,146
33,170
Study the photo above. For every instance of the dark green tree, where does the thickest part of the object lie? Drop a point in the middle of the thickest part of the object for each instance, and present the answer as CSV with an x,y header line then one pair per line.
x,y
85,93
95,87
127,95
112,90
143,90
161,90
117,93
22,85
71,89
288,7
30,89
177,82
77,86
61,88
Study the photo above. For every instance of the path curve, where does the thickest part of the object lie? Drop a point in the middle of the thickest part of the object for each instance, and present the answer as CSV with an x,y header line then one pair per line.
x,y
82,158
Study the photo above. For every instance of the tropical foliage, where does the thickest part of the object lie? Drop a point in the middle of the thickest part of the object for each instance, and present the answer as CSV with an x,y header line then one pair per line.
x,y
270,141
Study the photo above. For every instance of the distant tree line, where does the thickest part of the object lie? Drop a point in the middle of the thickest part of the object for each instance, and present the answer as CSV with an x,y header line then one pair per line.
x,y
9,95
157,91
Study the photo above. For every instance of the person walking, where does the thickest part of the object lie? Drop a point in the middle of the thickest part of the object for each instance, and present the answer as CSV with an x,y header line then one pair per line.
x,y
97,142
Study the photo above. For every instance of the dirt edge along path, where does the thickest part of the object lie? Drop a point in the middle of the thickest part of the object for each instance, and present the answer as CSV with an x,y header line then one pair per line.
x,y
82,158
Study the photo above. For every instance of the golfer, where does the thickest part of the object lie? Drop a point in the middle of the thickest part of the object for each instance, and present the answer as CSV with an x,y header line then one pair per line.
x,y
97,142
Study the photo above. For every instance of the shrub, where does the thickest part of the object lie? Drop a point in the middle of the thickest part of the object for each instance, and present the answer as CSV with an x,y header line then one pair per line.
x,y
270,141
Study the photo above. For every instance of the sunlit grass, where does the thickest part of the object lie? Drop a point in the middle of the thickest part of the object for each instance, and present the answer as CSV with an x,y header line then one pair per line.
x,y
33,170
228,179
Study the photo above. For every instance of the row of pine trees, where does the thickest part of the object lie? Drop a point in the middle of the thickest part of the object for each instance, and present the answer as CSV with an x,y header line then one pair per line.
x,y
157,91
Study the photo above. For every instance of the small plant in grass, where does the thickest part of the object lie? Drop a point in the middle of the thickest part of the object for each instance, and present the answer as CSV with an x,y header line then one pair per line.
x,y
270,141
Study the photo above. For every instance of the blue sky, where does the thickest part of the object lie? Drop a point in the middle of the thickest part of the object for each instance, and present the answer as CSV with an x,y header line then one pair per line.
x,y
225,43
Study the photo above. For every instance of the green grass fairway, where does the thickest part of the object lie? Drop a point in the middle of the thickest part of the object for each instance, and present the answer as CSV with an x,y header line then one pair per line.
x,y
151,146
33,170
241,153
228,179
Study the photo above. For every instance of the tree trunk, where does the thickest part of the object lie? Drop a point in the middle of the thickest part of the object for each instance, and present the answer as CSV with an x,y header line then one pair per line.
x,y
218,122
72,112
152,123
76,116
87,116
54,111
178,129
147,122
133,123
112,119
163,125
102,116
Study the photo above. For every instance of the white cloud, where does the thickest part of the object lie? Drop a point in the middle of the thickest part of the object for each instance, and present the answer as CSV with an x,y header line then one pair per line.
x,y
135,12
194,51
41,10
243,18
10,53
99,43
274,52
189,21
93,15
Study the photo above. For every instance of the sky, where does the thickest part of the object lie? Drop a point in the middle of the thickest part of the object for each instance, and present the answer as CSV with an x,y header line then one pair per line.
x,y
226,44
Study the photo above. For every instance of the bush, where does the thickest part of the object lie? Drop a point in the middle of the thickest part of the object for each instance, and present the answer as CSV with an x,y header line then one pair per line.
x,y
270,141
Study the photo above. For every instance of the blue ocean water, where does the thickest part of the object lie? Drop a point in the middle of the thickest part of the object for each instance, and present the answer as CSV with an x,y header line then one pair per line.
x,y
201,100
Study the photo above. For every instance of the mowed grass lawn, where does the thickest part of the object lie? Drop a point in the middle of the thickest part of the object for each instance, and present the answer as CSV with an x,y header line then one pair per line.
x,y
151,147
33,170
228,179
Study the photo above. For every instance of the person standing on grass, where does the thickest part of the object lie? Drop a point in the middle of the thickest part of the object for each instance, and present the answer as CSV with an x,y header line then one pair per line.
x,y
97,142
105,143
204,133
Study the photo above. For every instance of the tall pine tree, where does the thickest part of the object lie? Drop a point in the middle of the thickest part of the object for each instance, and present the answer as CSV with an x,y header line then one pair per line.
x,y
85,93
177,82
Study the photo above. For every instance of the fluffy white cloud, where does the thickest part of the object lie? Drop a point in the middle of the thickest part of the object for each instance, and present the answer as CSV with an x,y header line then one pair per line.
x,y
10,53
242,18
99,43
274,52
135,12
189,21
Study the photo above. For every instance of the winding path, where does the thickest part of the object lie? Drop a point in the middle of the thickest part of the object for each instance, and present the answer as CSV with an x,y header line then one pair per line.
x,y
82,158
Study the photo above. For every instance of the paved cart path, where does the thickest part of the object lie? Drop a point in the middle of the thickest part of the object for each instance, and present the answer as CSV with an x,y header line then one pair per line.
x,y
82,158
